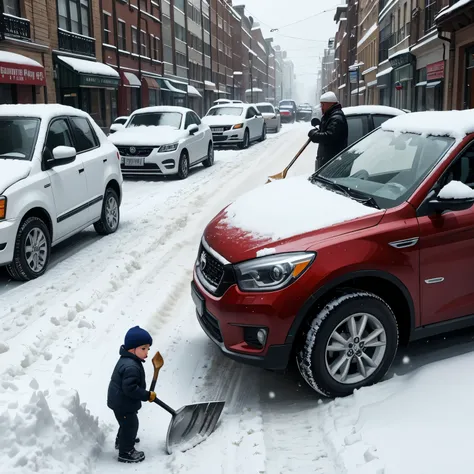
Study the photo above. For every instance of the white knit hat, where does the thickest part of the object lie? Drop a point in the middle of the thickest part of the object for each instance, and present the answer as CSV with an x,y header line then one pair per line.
x,y
329,97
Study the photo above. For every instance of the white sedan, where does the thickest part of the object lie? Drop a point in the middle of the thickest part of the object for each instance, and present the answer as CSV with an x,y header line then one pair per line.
x,y
236,124
163,141
271,115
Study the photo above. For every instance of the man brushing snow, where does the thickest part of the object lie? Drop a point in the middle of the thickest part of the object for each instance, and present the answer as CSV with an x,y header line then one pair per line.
x,y
333,132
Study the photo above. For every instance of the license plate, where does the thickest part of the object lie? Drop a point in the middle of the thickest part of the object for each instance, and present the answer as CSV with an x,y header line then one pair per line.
x,y
217,129
134,161
198,301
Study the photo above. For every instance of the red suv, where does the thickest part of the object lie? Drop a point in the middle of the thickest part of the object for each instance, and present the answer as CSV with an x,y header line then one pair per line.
x,y
375,249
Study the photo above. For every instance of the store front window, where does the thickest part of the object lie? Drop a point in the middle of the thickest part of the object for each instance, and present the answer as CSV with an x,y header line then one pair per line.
x,y
420,90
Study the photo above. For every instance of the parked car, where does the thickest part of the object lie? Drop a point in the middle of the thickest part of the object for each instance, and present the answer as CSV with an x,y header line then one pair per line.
x,y
163,140
304,112
288,111
58,175
118,124
271,115
376,250
362,119
235,124
227,101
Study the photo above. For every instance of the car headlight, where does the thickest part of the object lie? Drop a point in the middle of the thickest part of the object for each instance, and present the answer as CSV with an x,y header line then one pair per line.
x,y
165,148
273,272
239,125
3,207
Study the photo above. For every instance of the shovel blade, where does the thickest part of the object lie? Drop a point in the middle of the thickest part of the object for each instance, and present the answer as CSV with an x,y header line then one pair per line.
x,y
275,177
192,425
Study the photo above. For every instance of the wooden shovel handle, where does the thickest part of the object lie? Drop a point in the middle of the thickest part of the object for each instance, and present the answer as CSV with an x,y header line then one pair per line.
x,y
303,148
157,362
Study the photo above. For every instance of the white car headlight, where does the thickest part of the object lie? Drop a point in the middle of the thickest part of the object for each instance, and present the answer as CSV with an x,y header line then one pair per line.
x,y
273,272
165,148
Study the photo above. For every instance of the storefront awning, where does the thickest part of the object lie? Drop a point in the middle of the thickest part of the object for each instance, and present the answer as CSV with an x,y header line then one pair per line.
x,y
193,92
151,83
130,80
433,84
90,73
19,69
255,89
209,86
172,88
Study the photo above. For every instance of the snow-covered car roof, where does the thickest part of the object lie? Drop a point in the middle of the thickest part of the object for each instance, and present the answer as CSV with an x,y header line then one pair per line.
x,y
372,109
454,123
161,108
233,106
43,111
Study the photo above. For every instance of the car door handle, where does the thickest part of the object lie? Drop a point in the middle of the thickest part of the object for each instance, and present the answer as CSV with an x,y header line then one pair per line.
x,y
104,160
81,170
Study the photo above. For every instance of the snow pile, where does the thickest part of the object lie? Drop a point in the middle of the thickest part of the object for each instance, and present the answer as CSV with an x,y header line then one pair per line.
x,y
89,67
289,207
33,438
7,57
453,123
12,171
456,190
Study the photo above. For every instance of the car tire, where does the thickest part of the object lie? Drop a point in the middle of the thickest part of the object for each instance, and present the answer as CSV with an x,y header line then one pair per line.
x,y
33,232
315,360
183,165
110,216
246,142
263,137
210,156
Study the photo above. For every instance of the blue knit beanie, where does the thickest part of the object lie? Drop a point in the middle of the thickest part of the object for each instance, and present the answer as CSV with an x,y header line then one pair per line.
x,y
137,337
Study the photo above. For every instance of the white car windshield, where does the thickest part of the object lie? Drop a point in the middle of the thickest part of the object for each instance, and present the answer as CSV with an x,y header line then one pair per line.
x,y
384,169
156,119
18,138
234,111
265,109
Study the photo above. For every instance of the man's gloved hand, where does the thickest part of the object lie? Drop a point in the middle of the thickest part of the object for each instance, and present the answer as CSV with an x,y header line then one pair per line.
x,y
311,132
152,397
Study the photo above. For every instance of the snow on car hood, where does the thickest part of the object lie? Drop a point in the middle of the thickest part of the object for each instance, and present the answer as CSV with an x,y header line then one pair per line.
x,y
222,120
148,136
269,216
12,171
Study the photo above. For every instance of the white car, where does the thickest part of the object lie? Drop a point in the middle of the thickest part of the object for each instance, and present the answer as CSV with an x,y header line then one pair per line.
x,y
58,175
236,124
271,115
163,140
118,124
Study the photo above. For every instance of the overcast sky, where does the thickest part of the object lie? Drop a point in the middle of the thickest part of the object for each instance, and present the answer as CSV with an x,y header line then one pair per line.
x,y
305,54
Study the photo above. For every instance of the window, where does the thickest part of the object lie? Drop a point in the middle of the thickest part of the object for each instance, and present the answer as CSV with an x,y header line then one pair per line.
x,y
189,120
181,60
462,169
155,8
11,7
180,32
122,40
358,127
105,18
58,135
157,119
250,113
179,4
143,5
134,40
219,21
207,23
85,138
74,16
143,50
19,137
207,49
197,120
380,119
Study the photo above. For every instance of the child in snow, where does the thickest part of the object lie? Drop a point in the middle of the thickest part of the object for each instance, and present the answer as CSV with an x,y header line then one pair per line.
x,y
127,392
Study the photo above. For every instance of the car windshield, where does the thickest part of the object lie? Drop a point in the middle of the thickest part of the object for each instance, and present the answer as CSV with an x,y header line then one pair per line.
x,y
265,109
156,119
384,168
235,111
18,138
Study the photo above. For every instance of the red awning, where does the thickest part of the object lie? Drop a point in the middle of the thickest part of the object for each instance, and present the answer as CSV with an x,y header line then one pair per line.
x,y
129,79
19,69
151,83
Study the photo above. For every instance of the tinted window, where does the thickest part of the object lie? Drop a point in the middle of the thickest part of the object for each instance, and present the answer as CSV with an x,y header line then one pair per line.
x,y
83,134
462,169
197,120
250,113
358,127
58,135
380,119
18,138
189,120
156,119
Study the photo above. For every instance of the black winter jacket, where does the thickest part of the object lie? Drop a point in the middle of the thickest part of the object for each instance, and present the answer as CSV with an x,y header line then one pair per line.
x,y
127,385
332,135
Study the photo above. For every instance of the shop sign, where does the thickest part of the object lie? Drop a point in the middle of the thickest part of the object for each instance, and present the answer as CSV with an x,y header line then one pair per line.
x,y
435,71
354,77
12,73
98,81
401,60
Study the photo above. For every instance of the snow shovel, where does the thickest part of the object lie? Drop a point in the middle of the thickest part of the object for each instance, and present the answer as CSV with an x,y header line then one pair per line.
x,y
191,424
283,174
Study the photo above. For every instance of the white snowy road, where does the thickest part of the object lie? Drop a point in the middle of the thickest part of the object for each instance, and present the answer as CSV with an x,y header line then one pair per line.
x,y
61,333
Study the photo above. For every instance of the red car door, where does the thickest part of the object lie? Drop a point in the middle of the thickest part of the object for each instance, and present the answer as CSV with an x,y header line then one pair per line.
x,y
447,253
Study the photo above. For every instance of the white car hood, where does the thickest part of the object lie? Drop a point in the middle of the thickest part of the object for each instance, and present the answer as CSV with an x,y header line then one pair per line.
x,y
222,120
12,171
147,136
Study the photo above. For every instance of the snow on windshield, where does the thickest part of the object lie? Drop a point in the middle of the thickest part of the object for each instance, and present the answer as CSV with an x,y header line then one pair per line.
x,y
291,207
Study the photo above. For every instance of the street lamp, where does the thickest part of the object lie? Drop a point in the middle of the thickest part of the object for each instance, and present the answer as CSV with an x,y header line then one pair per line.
x,y
235,73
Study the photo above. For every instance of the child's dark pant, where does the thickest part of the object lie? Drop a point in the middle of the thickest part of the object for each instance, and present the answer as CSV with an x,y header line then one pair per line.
x,y
128,430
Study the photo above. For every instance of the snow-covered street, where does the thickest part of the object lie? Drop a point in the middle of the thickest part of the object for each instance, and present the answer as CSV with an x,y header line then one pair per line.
x,y
60,336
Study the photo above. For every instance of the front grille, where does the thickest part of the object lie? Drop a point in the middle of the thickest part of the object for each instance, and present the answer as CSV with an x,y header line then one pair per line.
x,y
147,168
219,138
226,128
212,326
212,269
140,151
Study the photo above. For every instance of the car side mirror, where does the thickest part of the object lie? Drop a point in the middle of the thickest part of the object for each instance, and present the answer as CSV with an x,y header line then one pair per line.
x,y
193,128
455,196
315,122
62,155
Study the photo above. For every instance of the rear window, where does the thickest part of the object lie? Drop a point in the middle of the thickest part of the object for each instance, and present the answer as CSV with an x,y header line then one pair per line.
x,y
265,109
286,103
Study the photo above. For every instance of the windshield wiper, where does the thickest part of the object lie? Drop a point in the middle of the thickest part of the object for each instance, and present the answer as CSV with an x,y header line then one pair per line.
x,y
369,202
341,188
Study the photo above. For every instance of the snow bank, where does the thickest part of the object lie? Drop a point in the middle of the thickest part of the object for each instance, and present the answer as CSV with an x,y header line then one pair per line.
x,y
456,190
289,207
7,57
36,438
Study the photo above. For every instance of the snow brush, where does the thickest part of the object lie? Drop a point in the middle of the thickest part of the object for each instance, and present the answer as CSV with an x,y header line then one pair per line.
x,y
283,174
191,424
